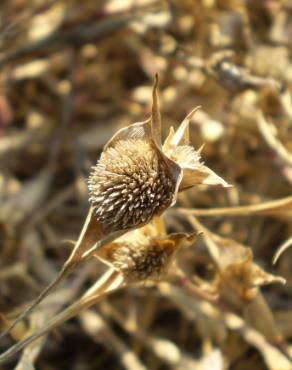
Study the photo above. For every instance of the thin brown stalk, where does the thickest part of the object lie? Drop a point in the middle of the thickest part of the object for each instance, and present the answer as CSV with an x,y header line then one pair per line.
x,y
279,206
87,239
281,250
109,282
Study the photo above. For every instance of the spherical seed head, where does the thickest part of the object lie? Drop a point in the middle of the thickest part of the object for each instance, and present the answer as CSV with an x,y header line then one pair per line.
x,y
129,185
140,261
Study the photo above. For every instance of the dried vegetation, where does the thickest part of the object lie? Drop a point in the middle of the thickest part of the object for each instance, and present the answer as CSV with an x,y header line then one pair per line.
x,y
177,273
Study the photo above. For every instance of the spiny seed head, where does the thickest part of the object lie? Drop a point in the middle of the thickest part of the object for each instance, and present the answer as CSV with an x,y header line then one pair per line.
x,y
144,253
129,185
141,260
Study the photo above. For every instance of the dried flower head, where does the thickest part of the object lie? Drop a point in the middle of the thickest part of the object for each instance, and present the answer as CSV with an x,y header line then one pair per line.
x,y
142,253
136,178
242,275
130,183
239,276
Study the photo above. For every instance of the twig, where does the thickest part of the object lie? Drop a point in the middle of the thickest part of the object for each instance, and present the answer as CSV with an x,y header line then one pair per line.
x,y
109,282
279,206
281,250
266,130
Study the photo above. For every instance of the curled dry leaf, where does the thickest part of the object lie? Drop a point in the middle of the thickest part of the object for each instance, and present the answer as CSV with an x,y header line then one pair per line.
x,y
238,281
239,277
282,249
242,274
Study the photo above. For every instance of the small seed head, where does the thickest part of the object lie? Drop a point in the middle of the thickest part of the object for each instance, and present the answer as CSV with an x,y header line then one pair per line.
x,y
129,185
140,261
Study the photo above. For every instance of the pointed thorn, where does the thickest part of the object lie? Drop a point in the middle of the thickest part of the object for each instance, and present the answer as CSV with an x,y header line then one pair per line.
x,y
156,80
199,151
192,112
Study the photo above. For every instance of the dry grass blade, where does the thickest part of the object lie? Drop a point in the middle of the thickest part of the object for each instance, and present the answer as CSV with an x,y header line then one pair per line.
x,y
109,282
267,130
98,328
32,306
279,206
81,34
85,247
273,357
31,352
281,250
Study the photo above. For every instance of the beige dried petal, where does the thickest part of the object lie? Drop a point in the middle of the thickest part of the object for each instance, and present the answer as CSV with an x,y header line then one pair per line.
x,y
208,177
181,136
194,171
177,148
138,130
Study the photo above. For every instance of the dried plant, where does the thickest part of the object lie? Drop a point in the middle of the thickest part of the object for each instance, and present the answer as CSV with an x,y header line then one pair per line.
x,y
72,76
142,255
136,179
145,253
238,281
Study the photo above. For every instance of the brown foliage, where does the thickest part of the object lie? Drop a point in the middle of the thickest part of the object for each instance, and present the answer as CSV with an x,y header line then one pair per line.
x,y
74,77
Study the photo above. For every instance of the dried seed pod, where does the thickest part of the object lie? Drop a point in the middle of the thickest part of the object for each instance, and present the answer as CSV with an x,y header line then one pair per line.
x,y
239,277
130,183
134,180
140,261
142,254
137,179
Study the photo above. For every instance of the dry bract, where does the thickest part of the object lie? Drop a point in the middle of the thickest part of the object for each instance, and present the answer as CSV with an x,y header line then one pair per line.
x,y
238,281
239,277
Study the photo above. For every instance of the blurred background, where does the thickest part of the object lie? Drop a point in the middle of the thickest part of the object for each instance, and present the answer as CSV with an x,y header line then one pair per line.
x,y
71,74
